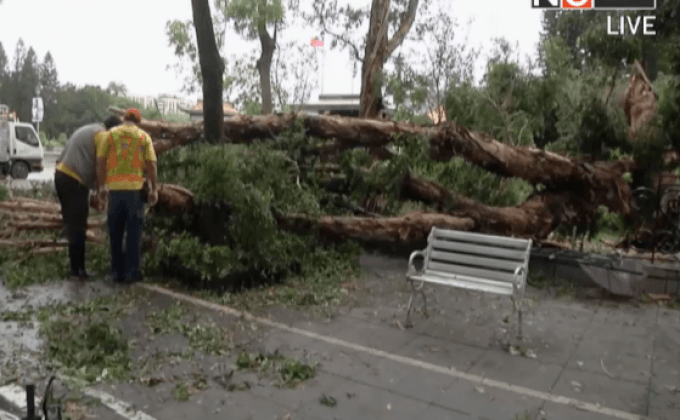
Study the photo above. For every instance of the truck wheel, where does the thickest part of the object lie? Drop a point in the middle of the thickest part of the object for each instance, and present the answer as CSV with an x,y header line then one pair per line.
x,y
20,170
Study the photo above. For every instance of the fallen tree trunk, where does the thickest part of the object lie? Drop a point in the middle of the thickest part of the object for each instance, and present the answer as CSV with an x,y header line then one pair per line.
x,y
49,219
406,230
600,182
536,218
18,243
36,206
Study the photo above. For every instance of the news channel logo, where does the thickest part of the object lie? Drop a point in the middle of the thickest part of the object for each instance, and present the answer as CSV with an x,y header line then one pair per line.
x,y
594,4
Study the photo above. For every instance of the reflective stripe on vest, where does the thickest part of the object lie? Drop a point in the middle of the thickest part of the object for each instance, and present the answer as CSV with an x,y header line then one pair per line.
x,y
121,164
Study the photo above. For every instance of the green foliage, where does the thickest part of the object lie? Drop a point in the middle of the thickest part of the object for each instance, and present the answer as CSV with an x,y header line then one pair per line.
x,y
4,193
255,180
20,269
62,139
288,373
83,341
668,88
254,13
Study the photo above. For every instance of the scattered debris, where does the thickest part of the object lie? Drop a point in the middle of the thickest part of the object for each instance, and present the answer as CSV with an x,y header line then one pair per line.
x,y
577,386
659,297
328,401
605,369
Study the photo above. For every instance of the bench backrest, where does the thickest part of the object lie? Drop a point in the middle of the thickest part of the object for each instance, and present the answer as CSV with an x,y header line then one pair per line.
x,y
476,255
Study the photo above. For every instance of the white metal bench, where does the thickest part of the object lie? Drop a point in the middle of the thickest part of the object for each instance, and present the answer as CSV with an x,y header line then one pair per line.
x,y
486,263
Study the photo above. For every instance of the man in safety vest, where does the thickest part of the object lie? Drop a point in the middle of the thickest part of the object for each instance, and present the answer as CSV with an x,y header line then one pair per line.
x,y
74,177
122,160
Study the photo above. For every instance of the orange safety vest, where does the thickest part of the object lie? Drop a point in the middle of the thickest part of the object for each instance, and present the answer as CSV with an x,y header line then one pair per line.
x,y
124,163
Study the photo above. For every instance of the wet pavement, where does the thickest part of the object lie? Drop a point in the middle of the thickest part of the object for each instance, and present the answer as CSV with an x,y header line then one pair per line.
x,y
581,358
35,179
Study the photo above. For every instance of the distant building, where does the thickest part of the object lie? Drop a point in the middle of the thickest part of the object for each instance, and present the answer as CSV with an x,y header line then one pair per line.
x,y
196,113
345,105
145,101
173,105
167,104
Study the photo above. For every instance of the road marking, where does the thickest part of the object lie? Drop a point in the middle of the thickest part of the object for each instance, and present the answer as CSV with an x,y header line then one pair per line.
x,y
16,395
119,407
450,371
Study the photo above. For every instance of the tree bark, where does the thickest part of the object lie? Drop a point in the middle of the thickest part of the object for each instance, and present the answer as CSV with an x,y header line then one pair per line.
x,y
212,70
601,183
378,49
264,64
536,218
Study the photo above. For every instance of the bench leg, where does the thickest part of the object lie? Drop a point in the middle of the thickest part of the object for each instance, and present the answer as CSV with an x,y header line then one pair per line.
x,y
408,323
519,320
512,321
414,291
517,310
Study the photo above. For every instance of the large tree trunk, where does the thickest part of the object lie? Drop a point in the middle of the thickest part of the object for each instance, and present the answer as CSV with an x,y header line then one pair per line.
x,y
212,70
378,49
600,183
536,218
264,65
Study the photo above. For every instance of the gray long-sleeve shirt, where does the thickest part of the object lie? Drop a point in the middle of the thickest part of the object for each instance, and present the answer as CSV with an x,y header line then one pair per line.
x,y
79,154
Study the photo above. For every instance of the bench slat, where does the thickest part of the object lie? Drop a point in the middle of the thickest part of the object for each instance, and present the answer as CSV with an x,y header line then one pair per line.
x,y
500,276
509,254
465,282
479,238
494,264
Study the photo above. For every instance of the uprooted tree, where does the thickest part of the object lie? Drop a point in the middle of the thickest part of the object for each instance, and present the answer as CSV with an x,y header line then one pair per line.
x,y
570,190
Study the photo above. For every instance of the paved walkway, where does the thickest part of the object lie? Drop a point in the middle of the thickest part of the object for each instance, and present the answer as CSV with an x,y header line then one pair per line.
x,y
583,360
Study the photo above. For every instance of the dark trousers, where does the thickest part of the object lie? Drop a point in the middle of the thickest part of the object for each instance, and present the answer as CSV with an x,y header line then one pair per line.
x,y
75,208
126,215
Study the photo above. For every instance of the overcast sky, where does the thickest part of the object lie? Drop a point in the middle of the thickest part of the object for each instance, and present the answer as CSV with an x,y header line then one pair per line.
x,y
86,38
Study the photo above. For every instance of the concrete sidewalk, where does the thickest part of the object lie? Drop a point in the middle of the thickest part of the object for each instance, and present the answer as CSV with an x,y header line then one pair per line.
x,y
585,359
621,362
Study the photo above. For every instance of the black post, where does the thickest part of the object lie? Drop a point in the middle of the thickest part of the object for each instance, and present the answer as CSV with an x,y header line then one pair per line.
x,y
30,403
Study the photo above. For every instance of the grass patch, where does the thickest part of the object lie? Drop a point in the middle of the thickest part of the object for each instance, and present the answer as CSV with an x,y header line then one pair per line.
x,y
286,372
84,342
558,287
675,305
21,269
19,316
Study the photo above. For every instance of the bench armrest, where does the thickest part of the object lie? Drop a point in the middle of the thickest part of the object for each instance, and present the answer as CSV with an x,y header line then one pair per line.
x,y
414,255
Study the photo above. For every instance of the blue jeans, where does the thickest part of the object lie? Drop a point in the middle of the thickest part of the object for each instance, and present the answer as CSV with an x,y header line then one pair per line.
x,y
126,214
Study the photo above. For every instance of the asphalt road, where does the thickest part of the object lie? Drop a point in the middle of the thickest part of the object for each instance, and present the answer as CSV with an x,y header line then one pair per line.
x,y
46,176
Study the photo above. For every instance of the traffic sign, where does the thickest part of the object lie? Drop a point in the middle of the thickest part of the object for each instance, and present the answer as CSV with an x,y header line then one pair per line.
x,y
38,110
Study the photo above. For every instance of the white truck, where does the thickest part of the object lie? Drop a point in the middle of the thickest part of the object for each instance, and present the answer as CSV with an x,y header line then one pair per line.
x,y
20,149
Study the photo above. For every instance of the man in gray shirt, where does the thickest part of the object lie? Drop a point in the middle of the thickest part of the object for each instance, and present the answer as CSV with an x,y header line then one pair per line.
x,y
75,175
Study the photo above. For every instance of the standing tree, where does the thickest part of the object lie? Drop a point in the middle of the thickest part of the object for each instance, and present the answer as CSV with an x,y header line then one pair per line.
x,y
29,84
116,89
377,45
250,18
212,69
49,85
4,72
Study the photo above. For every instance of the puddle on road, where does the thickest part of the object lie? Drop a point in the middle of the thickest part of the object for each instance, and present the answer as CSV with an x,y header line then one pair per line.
x,y
39,296
20,343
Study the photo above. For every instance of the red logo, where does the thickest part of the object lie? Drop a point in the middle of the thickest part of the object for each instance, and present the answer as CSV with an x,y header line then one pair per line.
x,y
577,4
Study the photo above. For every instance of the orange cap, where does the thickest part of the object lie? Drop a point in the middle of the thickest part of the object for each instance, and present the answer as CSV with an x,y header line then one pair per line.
x,y
133,114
